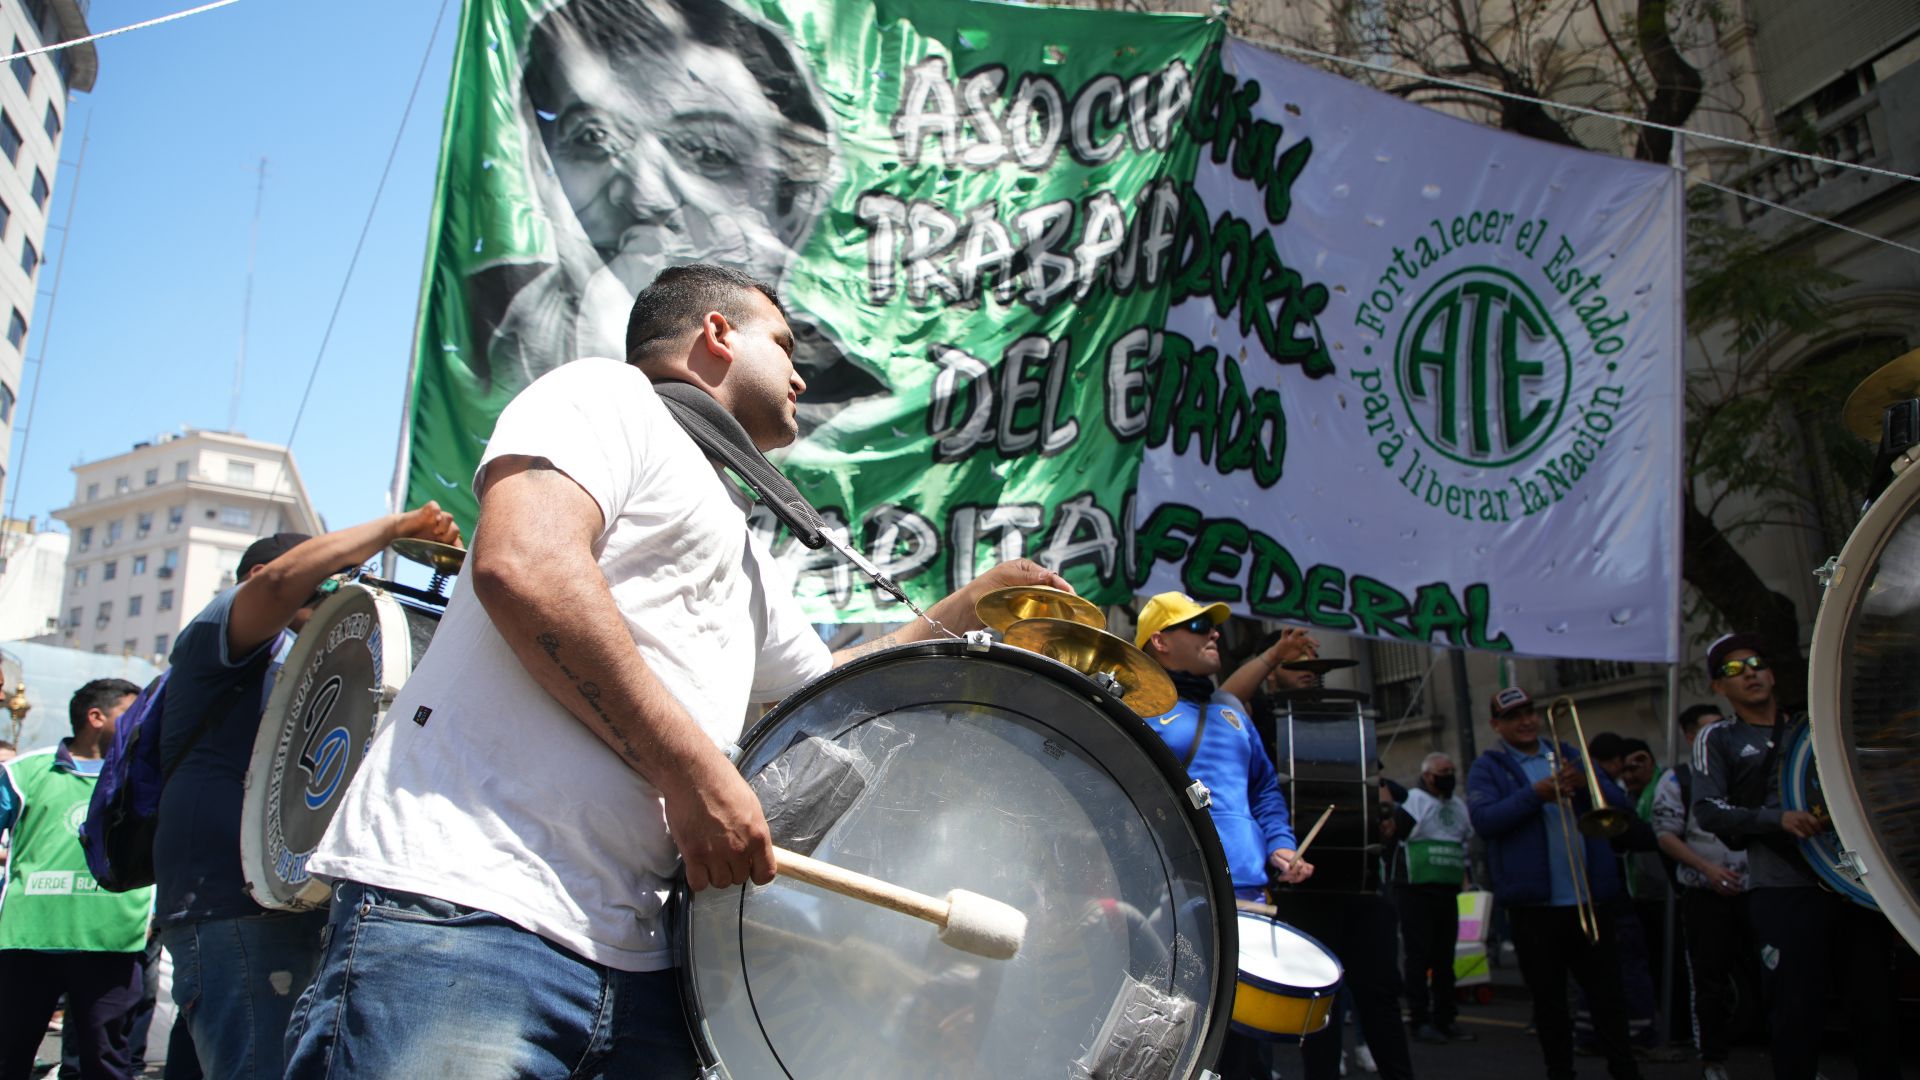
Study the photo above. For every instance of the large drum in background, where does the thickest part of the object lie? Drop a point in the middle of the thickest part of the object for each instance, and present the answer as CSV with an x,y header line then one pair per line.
x,y
1864,692
949,765
328,701
1323,750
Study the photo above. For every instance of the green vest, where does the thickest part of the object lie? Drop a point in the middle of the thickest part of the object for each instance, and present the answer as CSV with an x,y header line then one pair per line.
x,y
51,901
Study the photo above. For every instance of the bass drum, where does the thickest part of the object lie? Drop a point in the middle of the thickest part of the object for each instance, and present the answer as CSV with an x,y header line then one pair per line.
x,y
328,700
950,765
1863,690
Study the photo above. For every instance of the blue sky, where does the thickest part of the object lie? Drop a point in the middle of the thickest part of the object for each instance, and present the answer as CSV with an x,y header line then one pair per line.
x,y
147,324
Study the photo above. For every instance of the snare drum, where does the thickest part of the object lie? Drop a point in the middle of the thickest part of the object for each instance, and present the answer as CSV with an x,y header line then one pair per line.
x,y
1287,981
945,765
328,700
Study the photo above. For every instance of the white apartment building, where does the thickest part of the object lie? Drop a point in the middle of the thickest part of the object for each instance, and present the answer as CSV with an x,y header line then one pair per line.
x,y
33,114
158,531
33,562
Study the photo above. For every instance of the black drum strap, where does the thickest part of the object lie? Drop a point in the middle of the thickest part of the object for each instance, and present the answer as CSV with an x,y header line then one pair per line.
x,y
1199,729
716,432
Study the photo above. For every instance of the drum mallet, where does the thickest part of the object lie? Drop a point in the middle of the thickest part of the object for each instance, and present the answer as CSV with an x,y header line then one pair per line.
x,y
1301,851
967,921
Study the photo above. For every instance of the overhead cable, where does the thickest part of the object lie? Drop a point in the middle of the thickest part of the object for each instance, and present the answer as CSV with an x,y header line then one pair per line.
x,y
58,45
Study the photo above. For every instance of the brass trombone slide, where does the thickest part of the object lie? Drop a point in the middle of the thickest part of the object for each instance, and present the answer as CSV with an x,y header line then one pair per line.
x,y
1601,821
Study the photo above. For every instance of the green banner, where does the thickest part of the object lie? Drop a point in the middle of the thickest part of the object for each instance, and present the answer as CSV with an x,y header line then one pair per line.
x,y
970,209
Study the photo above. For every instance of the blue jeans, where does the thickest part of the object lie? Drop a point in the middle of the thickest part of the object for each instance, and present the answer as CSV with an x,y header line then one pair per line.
x,y
236,981
410,986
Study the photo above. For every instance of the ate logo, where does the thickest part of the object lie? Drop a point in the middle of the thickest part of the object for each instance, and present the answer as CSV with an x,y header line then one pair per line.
x,y
1482,369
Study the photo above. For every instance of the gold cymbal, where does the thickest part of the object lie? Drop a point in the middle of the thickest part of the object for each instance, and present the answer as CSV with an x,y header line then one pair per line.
x,y
1002,608
1090,650
440,558
1896,381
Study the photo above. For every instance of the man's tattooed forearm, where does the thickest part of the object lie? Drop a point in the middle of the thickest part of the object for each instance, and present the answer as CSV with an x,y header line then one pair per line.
x,y
549,643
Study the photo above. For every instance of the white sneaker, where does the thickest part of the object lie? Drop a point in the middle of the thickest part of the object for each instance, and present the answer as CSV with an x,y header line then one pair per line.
x,y
1364,1057
1343,1063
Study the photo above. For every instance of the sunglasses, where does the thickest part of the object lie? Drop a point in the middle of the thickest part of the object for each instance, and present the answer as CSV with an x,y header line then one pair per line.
x,y
1199,624
1733,667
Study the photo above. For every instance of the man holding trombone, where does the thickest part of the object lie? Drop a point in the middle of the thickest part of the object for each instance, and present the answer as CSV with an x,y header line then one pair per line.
x,y
1544,814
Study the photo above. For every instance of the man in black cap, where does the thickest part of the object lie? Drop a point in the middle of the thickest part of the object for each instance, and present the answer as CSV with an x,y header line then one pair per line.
x,y
238,968
1804,930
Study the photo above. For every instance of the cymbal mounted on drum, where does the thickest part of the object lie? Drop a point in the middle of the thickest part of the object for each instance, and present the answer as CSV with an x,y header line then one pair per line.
x,y
444,560
1063,627
1885,408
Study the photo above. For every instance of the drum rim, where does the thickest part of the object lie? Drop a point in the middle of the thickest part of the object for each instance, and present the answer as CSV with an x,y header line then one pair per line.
x,y
1219,1016
1262,983
397,642
1827,712
1796,761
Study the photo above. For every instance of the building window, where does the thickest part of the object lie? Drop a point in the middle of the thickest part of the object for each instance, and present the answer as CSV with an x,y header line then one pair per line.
x,y
41,189
101,649
29,257
122,485
164,602
134,603
93,492
6,216
237,516
114,529
6,403
179,470
85,539
240,473
53,123
73,618
79,576
9,139
17,330
153,477
143,524
109,569
22,68
139,565
105,615
169,562
127,647
175,515
160,645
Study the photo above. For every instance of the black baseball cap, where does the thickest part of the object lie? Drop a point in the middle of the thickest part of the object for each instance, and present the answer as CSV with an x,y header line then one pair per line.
x,y
1729,644
267,549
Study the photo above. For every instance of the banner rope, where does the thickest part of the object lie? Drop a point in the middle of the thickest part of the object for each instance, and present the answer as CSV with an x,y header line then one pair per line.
x,y
1704,182
365,228
1480,88
176,16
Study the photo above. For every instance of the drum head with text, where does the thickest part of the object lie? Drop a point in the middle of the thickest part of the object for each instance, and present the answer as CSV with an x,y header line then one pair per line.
x,y
327,703
1006,774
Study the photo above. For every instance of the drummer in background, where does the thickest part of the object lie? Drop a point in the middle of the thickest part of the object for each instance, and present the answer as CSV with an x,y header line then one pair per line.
x,y
238,967
1806,933
1433,822
506,850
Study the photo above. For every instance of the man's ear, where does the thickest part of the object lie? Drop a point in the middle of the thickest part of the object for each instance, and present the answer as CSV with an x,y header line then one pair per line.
x,y
714,332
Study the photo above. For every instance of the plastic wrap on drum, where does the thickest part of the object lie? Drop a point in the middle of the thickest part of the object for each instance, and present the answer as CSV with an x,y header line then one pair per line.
x,y
1142,1038
814,782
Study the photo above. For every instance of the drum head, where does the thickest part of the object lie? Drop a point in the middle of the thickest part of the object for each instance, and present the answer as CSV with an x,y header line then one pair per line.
x,y
940,766
1278,957
327,703
1864,681
1800,789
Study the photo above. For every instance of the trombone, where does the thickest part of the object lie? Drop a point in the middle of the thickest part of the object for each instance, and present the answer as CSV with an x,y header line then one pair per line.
x,y
1601,821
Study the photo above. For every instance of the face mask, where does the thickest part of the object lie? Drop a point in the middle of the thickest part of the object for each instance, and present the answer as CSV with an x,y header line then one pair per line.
x,y
1443,785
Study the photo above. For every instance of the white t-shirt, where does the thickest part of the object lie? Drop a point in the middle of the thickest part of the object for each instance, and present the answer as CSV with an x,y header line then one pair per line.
x,y
483,790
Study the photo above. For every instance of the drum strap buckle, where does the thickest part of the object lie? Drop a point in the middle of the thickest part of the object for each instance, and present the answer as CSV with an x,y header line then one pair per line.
x,y
1199,796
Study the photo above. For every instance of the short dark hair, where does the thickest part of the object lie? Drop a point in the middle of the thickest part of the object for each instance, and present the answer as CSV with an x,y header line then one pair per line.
x,y
1692,715
628,29
5,745
1630,747
100,694
681,296
1606,746
267,549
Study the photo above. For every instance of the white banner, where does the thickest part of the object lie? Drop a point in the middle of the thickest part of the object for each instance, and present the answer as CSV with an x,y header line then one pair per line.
x,y
1481,423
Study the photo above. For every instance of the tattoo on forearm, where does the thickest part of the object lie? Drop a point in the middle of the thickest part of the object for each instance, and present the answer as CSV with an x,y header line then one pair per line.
x,y
549,643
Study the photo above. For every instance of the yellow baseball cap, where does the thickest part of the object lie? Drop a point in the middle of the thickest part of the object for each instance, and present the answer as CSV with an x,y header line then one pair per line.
x,y
1172,609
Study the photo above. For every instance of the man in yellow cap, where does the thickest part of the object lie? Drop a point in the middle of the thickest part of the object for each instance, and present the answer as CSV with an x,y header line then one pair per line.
x,y
1212,734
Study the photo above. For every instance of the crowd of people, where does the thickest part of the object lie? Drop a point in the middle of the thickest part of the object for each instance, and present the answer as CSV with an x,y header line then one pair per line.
x,y
463,873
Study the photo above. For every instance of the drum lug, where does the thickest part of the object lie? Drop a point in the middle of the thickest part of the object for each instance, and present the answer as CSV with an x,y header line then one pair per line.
x,y
1850,865
715,1071
978,641
1209,1074
733,752
1105,680
1830,571
1199,796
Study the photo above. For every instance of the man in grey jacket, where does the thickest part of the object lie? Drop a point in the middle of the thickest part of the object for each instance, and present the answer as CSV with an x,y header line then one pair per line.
x,y
1803,930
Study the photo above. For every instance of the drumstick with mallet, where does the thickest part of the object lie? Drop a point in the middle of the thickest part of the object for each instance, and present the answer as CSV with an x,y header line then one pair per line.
x,y
967,921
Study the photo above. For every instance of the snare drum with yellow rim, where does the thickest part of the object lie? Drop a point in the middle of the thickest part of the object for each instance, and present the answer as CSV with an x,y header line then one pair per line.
x,y
1287,981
